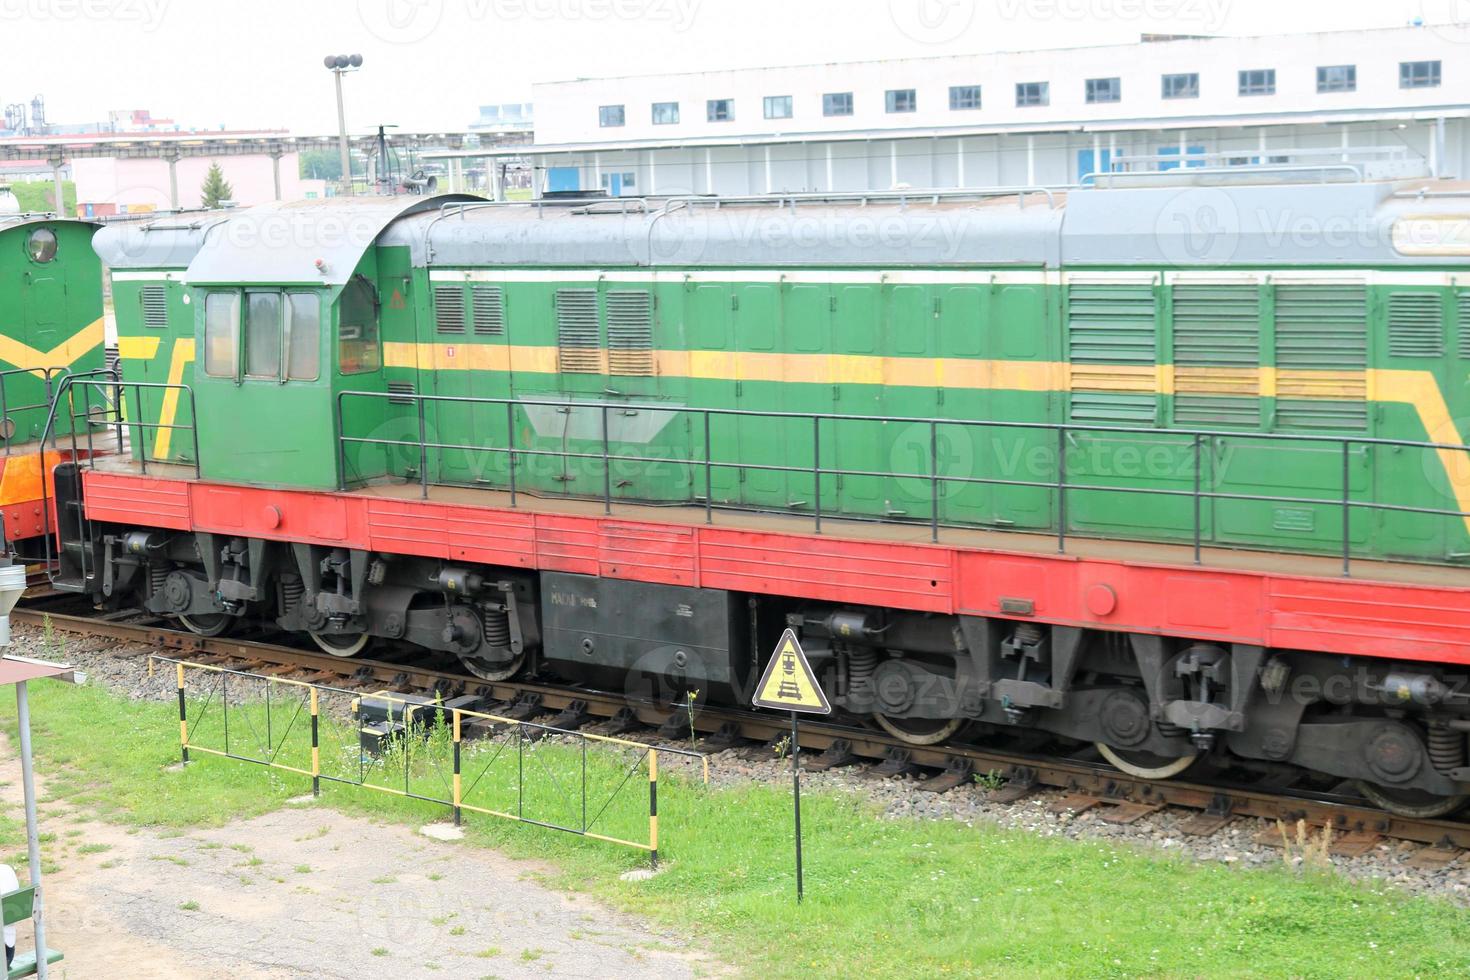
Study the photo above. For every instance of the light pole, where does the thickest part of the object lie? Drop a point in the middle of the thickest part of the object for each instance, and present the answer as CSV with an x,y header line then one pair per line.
x,y
337,64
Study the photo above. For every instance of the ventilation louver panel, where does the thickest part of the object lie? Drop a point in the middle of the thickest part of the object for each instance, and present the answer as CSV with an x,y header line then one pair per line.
x,y
577,334
1462,323
1322,356
487,306
1112,343
404,389
630,333
449,309
1217,354
1414,325
155,307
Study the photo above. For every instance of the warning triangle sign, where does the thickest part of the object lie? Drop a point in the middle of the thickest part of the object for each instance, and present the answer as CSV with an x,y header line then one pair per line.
x,y
789,683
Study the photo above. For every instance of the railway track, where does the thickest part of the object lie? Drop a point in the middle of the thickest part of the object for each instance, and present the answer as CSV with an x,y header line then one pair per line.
x,y
1084,784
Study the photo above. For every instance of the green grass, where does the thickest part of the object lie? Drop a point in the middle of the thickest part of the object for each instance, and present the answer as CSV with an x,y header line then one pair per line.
x,y
883,897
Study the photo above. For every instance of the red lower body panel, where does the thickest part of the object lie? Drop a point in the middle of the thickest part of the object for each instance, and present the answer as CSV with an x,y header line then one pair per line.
x,y
1349,616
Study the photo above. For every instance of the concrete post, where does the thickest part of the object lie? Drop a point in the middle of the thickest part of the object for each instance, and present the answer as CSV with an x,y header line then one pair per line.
x,y
276,171
33,840
173,180
56,182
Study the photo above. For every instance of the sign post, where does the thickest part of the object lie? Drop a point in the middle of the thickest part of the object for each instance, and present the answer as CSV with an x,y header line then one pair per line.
x,y
790,684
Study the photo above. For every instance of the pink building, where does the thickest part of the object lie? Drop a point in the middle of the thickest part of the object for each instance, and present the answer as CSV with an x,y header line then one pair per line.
x,y
113,185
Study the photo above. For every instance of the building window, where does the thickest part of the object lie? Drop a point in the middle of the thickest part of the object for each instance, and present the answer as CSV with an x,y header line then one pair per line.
x,y
837,104
1033,93
1337,78
1104,89
964,96
778,107
610,115
1418,74
901,100
720,110
1185,86
665,113
1258,81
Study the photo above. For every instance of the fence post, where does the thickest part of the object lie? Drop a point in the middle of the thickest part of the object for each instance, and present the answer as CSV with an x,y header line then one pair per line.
x,y
183,717
316,754
653,807
457,796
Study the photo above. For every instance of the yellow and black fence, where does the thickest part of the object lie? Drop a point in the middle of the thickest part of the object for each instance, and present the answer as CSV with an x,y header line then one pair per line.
x,y
431,750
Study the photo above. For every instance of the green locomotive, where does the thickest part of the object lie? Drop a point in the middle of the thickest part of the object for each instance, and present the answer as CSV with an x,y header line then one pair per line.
x,y
1055,351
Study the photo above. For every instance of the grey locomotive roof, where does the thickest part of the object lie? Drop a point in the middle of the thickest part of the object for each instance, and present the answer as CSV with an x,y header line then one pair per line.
x,y
923,232
1344,224
165,242
316,241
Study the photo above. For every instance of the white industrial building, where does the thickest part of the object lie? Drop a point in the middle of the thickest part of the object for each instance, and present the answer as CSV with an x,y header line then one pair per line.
x,y
1046,117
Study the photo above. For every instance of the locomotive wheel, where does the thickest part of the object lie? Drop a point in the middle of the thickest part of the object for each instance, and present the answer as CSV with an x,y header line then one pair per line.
x,y
492,671
1413,803
919,731
1146,765
209,624
341,644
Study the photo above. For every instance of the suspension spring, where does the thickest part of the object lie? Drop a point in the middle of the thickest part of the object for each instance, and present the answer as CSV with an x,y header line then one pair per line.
x,y
861,662
1446,748
497,627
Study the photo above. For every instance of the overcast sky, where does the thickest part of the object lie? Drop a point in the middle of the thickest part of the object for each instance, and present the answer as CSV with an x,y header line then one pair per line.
x,y
430,63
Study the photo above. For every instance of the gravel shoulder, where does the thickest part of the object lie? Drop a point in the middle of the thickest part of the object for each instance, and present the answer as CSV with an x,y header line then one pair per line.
x,y
1236,844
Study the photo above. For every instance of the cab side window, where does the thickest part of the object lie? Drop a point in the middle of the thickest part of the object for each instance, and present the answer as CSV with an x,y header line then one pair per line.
x,y
358,349
303,336
221,334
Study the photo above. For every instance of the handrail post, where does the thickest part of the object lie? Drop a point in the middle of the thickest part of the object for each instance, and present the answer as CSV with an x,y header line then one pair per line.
x,y
606,466
817,472
510,445
934,481
341,421
423,450
140,429
6,425
1062,490
1198,531
709,473
1346,507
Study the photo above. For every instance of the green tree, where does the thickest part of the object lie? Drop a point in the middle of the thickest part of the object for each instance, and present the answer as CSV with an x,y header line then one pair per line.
x,y
215,188
321,164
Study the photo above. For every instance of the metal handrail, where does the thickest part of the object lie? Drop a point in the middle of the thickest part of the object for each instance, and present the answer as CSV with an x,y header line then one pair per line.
x,y
105,381
1198,441
47,375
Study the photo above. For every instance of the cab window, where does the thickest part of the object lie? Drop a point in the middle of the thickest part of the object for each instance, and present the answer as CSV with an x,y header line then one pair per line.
x,y
358,350
262,335
303,336
221,333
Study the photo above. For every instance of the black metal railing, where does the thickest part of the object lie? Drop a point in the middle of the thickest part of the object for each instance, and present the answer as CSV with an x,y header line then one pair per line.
x,y
8,426
1200,444
109,412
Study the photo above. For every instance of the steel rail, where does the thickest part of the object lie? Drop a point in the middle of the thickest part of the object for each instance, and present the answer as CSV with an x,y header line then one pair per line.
x,y
1024,769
